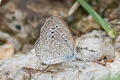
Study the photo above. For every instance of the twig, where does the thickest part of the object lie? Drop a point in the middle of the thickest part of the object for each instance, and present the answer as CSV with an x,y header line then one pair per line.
x,y
73,8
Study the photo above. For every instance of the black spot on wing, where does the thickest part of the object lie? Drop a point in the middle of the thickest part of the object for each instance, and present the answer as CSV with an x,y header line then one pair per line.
x,y
53,28
61,25
65,40
52,32
56,26
52,36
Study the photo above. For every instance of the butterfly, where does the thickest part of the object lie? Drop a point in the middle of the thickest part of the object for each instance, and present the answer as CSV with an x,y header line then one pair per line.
x,y
55,44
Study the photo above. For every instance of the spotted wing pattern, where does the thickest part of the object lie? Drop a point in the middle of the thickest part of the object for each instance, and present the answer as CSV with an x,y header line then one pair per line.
x,y
55,43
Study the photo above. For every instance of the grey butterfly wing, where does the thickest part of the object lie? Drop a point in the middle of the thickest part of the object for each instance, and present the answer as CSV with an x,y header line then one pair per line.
x,y
55,43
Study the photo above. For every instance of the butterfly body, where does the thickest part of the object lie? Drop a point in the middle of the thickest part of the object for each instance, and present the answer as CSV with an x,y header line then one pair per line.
x,y
55,43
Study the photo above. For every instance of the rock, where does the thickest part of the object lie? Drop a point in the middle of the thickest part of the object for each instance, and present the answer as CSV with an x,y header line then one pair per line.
x,y
117,43
27,47
117,47
16,22
6,51
115,69
94,46
11,40
28,67
22,66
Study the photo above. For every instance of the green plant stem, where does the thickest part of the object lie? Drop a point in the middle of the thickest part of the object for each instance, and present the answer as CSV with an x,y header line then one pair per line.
x,y
98,18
